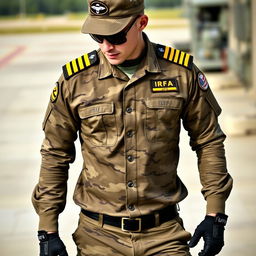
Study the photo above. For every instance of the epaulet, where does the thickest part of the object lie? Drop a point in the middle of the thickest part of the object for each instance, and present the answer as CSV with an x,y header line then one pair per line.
x,y
79,64
174,55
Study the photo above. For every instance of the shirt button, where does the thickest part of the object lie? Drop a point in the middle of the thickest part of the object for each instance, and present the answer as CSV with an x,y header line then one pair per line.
x,y
130,158
129,110
129,134
131,207
130,184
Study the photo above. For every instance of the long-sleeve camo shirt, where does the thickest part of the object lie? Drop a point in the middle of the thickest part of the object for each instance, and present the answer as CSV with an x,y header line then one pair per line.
x,y
129,133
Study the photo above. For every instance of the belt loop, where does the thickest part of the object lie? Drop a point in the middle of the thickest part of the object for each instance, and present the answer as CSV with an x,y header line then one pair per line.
x,y
100,222
157,219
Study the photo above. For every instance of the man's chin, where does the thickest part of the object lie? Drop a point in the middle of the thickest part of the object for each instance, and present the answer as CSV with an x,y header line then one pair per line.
x,y
115,61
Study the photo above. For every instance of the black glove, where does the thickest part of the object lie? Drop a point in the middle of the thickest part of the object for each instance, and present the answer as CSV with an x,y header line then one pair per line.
x,y
212,231
51,244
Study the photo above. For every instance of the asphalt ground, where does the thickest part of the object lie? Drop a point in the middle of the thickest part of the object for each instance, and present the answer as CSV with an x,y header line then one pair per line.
x,y
29,67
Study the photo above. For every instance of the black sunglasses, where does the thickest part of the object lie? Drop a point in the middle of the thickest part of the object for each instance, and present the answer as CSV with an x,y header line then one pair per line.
x,y
118,38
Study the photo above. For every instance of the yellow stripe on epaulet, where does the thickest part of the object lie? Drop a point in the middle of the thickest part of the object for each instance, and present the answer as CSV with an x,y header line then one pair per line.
x,y
79,64
175,56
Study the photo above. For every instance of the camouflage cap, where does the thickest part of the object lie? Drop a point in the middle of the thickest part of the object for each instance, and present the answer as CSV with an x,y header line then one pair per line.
x,y
107,17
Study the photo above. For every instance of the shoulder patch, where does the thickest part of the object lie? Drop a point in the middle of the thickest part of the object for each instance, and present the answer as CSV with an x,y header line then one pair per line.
x,y
55,93
202,81
79,64
174,55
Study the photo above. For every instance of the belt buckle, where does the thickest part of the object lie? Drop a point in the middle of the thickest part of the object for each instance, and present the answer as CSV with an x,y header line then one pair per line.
x,y
123,224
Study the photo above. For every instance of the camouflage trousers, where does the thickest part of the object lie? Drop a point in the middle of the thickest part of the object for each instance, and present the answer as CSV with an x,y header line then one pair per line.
x,y
94,239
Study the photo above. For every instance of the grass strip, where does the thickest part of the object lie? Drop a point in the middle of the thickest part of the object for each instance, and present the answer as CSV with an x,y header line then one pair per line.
x,y
62,29
157,14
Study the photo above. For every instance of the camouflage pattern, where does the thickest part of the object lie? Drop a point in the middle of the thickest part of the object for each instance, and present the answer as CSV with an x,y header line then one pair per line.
x,y
129,133
168,239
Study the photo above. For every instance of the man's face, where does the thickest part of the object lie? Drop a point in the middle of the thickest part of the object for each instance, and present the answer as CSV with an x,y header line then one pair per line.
x,y
131,49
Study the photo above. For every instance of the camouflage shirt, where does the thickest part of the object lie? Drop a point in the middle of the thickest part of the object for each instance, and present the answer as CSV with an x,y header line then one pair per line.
x,y
129,133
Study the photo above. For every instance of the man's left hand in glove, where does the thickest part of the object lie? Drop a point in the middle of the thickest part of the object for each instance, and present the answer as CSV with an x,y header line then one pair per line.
x,y
51,244
212,230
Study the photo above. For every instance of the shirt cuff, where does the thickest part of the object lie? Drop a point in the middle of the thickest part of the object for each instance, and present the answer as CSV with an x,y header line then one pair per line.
x,y
215,205
48,223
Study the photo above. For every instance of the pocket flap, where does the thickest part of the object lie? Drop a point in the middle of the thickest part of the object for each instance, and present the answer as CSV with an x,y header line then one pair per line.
x,y
95,110
169,103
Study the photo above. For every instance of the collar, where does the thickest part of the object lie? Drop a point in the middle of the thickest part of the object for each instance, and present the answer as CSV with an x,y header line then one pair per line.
x,y
149,64
135,62
106,69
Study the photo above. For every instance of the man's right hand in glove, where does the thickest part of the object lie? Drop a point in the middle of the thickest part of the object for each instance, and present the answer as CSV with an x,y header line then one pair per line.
x,y
211,229
51,244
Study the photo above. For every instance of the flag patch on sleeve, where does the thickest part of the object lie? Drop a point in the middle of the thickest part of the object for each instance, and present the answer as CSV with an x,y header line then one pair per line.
x,y
202,81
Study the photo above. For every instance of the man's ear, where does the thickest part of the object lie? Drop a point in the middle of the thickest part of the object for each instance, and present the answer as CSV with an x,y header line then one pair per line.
x,y
143,22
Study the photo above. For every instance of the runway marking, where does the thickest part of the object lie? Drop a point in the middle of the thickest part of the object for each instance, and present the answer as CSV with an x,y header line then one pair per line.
x,y
4,61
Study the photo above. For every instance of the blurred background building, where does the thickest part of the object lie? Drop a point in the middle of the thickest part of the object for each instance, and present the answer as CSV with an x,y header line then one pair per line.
x,y
209,28
242,38
223,35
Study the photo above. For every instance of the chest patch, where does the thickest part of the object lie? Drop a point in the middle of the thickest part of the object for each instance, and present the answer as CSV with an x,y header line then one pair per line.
x,y
164,85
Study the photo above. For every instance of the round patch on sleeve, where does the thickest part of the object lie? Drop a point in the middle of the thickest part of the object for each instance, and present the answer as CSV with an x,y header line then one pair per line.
x,y
55,93
202,81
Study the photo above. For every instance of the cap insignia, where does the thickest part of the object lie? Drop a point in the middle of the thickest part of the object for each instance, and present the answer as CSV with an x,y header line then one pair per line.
x,y
98,8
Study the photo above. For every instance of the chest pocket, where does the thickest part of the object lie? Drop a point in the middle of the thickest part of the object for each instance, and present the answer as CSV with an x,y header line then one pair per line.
x,y
162,123
98,124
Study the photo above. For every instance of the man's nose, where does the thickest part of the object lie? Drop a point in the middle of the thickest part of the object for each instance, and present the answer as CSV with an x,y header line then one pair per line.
x,y
107,46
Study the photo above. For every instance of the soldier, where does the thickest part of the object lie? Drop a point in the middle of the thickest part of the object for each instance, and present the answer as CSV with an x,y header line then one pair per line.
x,y
126,101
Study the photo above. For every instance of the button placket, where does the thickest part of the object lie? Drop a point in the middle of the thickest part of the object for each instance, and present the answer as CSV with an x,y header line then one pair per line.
x,y
130,147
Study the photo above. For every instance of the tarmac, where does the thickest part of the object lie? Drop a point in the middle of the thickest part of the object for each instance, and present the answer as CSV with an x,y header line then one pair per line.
x,y
29,67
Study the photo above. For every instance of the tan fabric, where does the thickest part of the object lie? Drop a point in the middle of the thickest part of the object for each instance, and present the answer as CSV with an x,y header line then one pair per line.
x,y
170,238
129,138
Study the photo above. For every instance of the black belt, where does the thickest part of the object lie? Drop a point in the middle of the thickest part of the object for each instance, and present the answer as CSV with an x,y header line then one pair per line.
x,y
136,224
